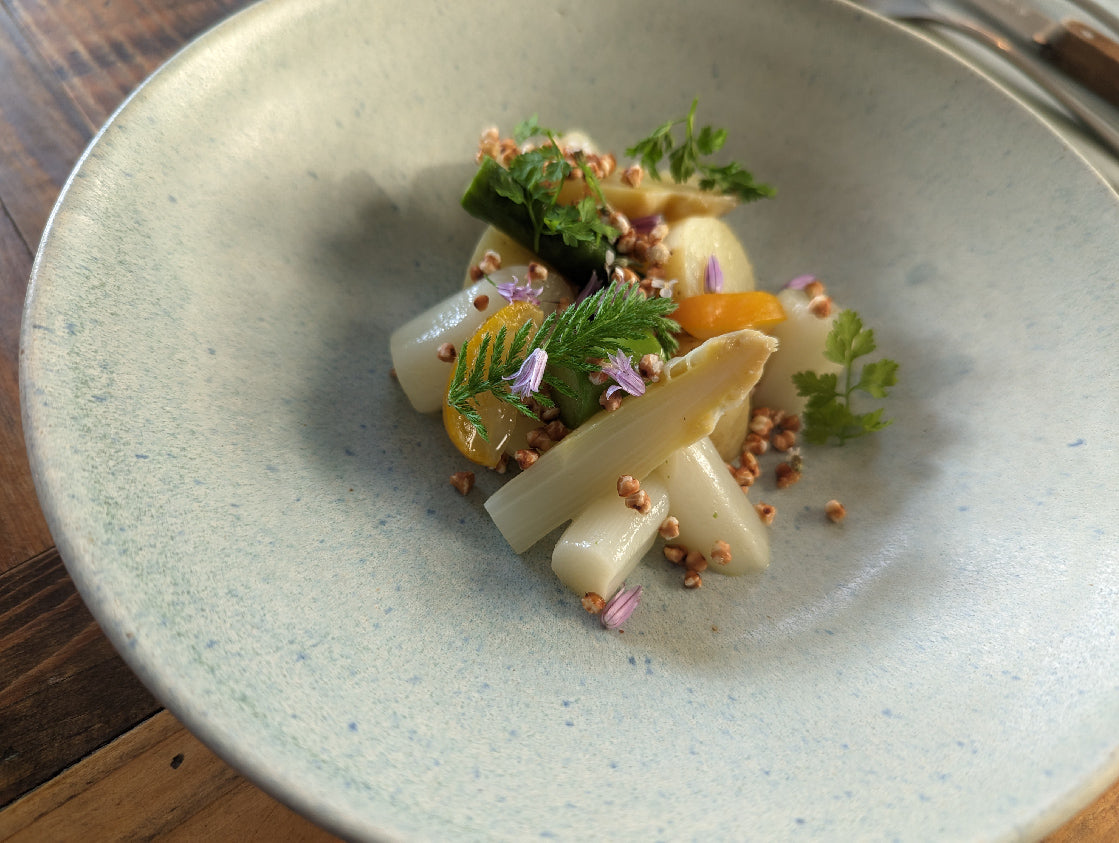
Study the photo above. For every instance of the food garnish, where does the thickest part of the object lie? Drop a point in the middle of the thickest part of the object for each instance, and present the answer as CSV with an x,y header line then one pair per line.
x,y
684,158
619,607
609,341
594,329
828,412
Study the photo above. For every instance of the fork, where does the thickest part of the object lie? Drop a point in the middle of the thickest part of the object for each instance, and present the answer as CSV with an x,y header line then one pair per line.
x,y
918,11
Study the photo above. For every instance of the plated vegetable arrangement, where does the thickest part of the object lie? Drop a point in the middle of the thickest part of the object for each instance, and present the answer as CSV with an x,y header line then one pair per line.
x,y
610,341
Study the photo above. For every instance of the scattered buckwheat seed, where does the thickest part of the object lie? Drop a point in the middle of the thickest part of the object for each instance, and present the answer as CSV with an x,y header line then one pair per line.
x,y
463,481
593,603
610,402
675,554
756,444
669,528
783,440
537,272
490,262
720,553
695,561
786,475
761,425
639,501
627,485
814,289
820,307
651,367
835,511
446,352
766,512
633,175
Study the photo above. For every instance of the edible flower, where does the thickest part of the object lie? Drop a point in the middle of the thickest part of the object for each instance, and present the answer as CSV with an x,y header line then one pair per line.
x,y
800,282
643,225
527,379
593,285
713,276
620,368
514,290
665,289
619,607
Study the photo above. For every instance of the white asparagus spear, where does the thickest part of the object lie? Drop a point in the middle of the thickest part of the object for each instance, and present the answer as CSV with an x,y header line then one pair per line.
x,y
634,439
604,543
422,375
711,507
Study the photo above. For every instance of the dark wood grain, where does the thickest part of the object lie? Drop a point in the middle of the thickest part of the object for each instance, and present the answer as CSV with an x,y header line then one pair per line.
x,y
64,691
23,531
41,133
101,51
40,137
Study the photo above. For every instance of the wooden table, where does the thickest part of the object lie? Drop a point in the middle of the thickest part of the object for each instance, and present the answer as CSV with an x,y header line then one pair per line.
x,y
85,751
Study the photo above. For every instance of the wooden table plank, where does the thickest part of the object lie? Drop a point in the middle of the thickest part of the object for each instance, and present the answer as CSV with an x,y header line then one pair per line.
x,y
156,782
42,133
23,530
55,669
102,51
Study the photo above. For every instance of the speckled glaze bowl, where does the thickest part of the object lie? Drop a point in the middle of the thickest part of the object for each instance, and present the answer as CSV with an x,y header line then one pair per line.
x,y
266,532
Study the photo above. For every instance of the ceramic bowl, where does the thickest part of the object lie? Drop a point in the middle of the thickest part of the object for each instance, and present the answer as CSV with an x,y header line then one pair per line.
x,y
264,528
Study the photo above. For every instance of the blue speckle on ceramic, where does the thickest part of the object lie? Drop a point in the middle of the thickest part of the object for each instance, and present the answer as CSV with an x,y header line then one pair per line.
x,y
266,530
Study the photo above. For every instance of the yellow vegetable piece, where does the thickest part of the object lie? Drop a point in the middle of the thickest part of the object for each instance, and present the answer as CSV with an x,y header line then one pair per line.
x,y
670,200
499,418
711,314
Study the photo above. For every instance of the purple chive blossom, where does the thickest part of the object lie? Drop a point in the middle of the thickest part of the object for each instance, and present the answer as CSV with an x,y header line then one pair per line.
x,y
516,291
620,607
620,368
593,285
527,379
800,282
713,276
643,225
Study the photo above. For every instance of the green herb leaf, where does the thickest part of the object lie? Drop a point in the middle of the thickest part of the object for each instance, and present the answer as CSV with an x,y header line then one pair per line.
x,y
582,334
534,179
828,413
684,159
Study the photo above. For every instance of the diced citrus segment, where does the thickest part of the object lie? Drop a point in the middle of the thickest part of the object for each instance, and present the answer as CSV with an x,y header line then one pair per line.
x,y
499,418
711,314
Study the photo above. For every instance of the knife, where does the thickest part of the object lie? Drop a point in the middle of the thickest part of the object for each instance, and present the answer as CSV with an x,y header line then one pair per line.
x,y
1081,52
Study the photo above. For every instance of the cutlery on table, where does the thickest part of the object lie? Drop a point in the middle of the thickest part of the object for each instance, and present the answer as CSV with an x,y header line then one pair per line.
x,y
918,11
1108,19
1082,52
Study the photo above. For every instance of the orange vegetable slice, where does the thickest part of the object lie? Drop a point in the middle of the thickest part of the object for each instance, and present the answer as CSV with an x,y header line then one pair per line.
x,y
711,314
500,419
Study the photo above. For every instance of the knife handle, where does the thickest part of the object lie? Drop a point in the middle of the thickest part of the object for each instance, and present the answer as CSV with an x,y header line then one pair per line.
x,y
1087,55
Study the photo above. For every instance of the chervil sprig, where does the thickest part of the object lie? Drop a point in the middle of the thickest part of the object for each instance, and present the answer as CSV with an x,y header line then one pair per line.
x,y
539,174
685,158
828,412
522,200
578,338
